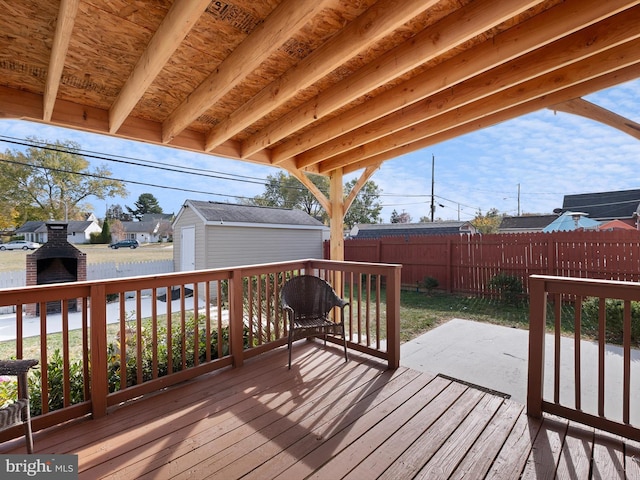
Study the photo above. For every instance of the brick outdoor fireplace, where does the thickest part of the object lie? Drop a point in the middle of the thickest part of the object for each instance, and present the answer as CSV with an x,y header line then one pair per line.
x,y
56,261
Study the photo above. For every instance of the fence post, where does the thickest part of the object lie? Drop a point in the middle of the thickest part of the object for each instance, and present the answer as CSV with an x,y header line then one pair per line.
x,y
99,382
537,324
236,317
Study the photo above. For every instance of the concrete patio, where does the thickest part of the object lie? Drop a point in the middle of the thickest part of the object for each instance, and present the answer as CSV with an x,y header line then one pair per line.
x,y
495,357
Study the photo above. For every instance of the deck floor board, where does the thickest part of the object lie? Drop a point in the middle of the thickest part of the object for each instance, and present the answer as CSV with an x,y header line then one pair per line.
x,y
327,419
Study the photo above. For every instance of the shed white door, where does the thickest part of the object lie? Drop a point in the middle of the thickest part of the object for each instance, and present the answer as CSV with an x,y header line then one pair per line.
x,y
188,249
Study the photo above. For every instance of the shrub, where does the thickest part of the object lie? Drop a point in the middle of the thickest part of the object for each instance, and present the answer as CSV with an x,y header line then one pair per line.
x,y
614,314
430,283
55,377
509,287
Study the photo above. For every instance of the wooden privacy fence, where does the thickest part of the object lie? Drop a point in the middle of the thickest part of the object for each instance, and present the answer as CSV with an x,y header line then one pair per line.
x,y
466,263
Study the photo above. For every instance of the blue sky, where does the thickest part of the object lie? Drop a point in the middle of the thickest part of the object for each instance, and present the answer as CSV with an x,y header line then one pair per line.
x,y
548,154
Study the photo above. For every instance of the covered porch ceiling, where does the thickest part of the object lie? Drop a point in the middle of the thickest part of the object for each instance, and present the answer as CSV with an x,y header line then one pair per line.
x,y
309,85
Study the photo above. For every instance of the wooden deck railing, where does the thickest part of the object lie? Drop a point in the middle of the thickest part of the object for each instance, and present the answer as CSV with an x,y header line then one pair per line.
x,y
594,383
138,335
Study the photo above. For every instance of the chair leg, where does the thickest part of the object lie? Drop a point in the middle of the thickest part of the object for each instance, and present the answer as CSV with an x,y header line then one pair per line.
x,y
344,340
290,347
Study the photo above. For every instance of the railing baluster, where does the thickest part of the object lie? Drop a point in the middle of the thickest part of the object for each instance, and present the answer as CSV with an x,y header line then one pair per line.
x,y
602,338
626,345
557,312
138,337
577,358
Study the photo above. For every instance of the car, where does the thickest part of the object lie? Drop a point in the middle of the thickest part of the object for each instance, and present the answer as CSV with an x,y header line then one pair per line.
x,y
125,244
19,245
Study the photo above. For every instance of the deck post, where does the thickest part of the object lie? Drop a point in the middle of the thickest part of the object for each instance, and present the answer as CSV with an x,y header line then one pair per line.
x,y
537,324
393,318
236,320
99,382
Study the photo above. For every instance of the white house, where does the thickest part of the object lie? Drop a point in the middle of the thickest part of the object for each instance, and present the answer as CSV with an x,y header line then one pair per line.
x,y
216,235
78,231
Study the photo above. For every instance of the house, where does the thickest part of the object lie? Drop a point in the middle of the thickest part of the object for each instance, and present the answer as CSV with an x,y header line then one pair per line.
x,y
78,231
143,232
525,223
377,230
215,235
623,205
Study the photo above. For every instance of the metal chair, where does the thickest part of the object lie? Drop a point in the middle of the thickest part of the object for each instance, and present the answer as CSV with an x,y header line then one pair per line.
x,y
18,411
308,301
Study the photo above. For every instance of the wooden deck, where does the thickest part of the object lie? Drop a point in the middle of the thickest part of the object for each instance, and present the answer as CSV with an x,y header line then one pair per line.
x,y
329,419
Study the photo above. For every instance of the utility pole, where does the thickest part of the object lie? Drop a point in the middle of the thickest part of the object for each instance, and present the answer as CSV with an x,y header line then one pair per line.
x,y
518,199
433,199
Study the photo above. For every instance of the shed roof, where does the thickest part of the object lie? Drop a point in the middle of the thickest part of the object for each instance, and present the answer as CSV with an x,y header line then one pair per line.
x,y
309,85
527,222
567,222
377,230
605,205
236,214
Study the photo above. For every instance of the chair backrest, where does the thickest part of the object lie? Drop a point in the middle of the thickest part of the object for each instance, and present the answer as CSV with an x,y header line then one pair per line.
x,y
309,295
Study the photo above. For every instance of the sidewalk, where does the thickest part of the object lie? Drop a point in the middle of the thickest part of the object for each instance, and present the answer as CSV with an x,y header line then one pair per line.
x,y
496,358
31,325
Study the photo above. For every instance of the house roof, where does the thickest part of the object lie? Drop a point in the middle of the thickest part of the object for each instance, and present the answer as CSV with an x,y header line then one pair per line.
x,y
604,205
236,214
40,226
527,222
616,225
312,85
567,222
140,227
377,230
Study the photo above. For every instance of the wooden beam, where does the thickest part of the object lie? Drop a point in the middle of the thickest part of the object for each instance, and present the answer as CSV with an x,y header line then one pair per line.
x,y
366,175
601,64
451,31
175,26
563,52
315,191
538,31
579,106
287,18
27,106
379,20
583,88
64,28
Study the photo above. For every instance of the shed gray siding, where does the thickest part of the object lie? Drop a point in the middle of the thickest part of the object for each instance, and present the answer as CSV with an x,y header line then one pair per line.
x,y
234,245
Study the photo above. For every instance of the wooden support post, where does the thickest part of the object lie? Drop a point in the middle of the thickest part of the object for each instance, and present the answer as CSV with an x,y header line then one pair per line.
x,y
537,323
337,215
99,382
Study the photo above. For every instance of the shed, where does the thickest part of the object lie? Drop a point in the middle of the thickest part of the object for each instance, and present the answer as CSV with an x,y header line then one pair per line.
x,y
216,235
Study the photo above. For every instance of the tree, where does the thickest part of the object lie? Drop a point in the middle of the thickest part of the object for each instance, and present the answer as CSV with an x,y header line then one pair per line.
x,y
52,182
489,223
366,207
115,212
105,236
146,203
286,191
403,217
